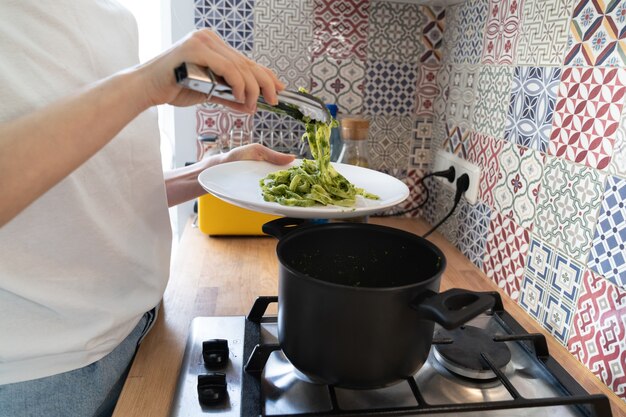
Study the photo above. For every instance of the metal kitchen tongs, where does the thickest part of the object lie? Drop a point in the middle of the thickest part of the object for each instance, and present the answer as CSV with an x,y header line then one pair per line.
x,y
295,104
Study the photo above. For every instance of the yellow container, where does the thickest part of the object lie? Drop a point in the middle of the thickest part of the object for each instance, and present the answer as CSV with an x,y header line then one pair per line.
x,y
217,217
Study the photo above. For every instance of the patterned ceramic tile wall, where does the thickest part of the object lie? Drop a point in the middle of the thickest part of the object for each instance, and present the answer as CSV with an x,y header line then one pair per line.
x,y
598,335
501,31
283,38
532,91
544,118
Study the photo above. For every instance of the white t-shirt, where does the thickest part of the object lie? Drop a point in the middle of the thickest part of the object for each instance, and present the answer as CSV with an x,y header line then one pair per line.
x,y
79,266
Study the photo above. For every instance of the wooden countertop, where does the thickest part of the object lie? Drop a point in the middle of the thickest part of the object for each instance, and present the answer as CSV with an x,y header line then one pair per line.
x,y
220,276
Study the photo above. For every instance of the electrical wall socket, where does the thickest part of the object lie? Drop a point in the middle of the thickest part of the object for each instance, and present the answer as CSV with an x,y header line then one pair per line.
x,y
443,160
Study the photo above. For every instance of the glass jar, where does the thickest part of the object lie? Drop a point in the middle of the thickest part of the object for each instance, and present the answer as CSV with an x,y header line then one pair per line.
x,y
354,132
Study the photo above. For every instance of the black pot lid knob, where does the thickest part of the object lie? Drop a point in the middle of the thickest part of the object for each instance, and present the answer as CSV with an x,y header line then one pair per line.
x,y
212,388
215,353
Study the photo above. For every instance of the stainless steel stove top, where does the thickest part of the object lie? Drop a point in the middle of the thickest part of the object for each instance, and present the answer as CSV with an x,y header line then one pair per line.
x,y
530,384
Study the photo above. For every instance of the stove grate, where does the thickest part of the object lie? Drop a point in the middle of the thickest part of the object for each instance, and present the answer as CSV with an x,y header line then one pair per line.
x,y
573,394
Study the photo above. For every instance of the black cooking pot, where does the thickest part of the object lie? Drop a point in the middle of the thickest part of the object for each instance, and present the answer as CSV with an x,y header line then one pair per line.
x,y
357,303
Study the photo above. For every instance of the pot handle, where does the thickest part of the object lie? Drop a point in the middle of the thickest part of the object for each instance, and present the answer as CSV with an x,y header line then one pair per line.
x,y
454,307
282,226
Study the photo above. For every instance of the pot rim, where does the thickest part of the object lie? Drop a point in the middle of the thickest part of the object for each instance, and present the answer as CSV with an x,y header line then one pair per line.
x,y
307,229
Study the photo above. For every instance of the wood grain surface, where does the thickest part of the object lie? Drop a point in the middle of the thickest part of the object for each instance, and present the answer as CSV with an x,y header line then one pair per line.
x,y
221,276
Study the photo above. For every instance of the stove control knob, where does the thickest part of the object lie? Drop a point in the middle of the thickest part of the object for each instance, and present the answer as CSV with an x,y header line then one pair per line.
x,y
212,388
215,353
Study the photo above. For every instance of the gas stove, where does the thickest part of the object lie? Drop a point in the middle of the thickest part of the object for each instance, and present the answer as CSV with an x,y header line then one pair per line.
x,y
233,366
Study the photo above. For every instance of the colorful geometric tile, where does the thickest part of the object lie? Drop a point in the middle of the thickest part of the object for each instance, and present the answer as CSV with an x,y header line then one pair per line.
x,y
474,224
618,162
340,28
450,228
501,31
283,35
451,33
566,278
432,34
531,296
540,260
417,194
339,81
569,199
460,105
220,122
505,253
607,256
558,317
597,34
543,32
455,140
394,32
519,179
279,132
553,282
485,151
598,334
421,145
233,20
443,88
471,18
390,139
587,115
390,88
533,97
430,211
492,100
426,90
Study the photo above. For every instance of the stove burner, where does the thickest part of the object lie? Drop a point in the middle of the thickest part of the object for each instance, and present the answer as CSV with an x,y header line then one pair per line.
x,y
463,355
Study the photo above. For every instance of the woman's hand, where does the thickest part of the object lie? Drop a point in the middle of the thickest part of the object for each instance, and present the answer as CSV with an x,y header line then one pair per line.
x,y
205,48
256,152
181,184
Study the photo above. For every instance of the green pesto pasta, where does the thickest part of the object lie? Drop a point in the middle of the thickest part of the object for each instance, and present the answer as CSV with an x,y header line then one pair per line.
x,y
313,181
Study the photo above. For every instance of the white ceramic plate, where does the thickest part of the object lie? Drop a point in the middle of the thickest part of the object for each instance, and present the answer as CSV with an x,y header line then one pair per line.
x,y
238,184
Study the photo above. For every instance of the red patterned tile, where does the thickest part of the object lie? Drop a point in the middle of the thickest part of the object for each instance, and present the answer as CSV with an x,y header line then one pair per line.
x,y
587,114
417,193
340,28
484,151
220,122
505,254
427,90
501,31
598,334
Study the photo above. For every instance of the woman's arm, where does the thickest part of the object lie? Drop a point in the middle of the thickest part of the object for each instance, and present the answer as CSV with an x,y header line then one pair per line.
x,y
182,183
76,128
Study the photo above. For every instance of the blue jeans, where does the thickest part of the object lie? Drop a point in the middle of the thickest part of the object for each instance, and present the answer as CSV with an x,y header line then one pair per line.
x,y
91,391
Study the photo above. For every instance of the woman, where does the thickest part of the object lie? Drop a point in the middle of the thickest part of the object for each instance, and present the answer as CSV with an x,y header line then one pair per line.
x,y
84,228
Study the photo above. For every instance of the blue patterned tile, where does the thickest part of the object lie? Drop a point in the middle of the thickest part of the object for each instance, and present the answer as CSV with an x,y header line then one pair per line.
x,y
533,97
471,17
558,318
607,252
532,295
566,279
390,88
473,229
539,260
279,132
551,287
233,20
